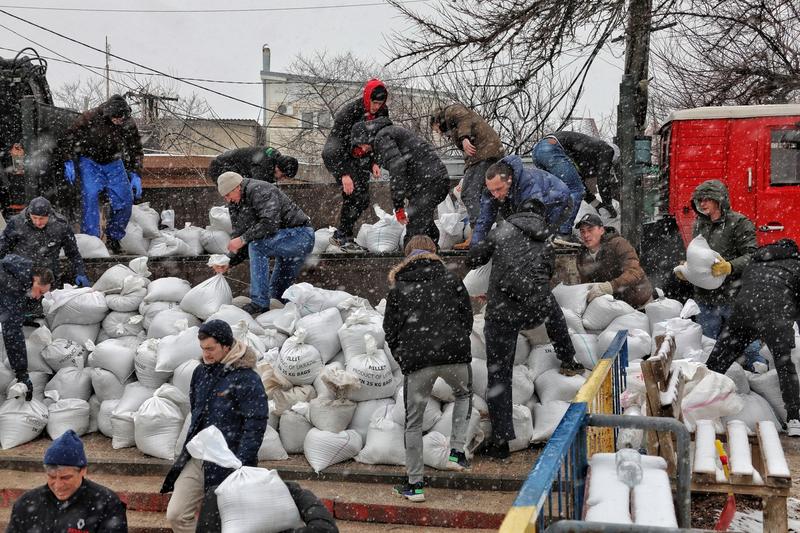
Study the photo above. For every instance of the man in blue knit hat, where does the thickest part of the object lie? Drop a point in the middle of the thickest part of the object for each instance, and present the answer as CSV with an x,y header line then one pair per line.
x,y
68,502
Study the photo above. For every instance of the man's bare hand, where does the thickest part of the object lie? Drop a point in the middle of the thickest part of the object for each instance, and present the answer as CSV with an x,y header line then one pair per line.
x,y
376,170
235,245
220,269
469,148
347,184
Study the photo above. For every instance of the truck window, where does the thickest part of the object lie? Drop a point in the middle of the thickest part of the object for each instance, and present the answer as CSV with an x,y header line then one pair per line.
x,y
785,157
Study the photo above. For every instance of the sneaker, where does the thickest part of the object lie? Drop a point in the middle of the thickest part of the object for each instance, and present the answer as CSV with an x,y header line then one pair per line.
x,y
114,247
571,368
347,246
254,309
414,492
793,428
457,461
496,450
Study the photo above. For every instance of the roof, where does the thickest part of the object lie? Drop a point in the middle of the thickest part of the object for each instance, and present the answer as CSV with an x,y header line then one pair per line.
x,y
736,111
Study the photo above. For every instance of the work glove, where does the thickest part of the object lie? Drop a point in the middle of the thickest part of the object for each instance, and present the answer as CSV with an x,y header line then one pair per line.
x,y
723,268
599,289
136,184
69,172
82,281
400,215
22,377
678,273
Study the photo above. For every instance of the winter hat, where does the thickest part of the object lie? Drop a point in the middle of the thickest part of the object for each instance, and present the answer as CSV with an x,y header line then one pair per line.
x,y
39,206
589,219
218,330
379,94
288,165
117,107
228,181
66,450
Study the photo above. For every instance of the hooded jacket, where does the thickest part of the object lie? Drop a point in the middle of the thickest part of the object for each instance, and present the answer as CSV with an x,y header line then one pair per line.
x,y
92,509
231,397
459,123
336,154
428,317
416,172
527,183
591,156
522,265
95,137
256,163
770,285
733,236
616,262
42,246
15,282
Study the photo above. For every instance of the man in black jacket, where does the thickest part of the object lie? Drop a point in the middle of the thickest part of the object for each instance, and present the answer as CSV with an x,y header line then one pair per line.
x,y
518,298
416,173
351,172
428,322
270,225
766,307
258,163
68,502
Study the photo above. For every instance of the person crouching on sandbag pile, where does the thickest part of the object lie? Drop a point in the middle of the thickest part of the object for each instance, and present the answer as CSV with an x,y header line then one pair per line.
x,y
609,262
428,322
266,224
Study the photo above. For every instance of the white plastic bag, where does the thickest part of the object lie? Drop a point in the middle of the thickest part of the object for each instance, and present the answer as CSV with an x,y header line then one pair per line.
x,y
523,428
233,315
174,350
166,245
271,448
572,297
206,298
552,386
310,299
147,218
699,259
384,444
74,306
191,236
115,355
157,424
71,382
63,353
134,242
373,371
299,362
477,280
91,247
219,218
167,290
602,310
215,241
322,331
586,350
66,413
171,322
322,239
546,417
384,235
144,364
293,428
20,421
323,448
118,324
359,323
105,384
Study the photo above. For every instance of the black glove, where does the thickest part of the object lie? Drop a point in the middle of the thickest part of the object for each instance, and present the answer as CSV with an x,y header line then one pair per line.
x,y
22,377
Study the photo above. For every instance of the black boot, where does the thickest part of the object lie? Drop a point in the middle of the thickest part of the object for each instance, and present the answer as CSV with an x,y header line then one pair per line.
x,y
114,247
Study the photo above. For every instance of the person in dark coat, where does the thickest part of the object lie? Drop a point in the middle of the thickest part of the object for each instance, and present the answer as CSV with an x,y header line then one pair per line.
x,y
351,172
105,144
509,184
259,163
416,173
518,298
766,307
225,392
481,145
266,224
20,282
428,322
39,233
69,502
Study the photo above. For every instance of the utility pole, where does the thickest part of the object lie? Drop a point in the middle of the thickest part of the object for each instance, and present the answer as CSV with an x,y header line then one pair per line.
x,y
632,115
108,76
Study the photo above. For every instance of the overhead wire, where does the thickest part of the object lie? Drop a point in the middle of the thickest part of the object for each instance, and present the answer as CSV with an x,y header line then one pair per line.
x,y
210,11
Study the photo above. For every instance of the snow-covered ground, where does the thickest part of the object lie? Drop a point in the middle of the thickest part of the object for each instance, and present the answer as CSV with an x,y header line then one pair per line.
x,y
752,520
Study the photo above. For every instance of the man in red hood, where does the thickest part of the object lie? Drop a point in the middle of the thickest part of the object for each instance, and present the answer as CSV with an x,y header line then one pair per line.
x,y
349,170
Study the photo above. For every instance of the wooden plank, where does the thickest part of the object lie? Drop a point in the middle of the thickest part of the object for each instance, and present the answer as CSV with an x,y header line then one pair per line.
x,y
666,449
704,464
774,466
750,490
776,515
740,458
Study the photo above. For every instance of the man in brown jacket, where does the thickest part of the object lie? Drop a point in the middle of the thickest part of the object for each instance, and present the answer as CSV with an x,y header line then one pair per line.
x,y
481,146
610,262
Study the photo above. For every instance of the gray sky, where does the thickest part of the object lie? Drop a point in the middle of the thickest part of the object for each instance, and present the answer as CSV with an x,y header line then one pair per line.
x,y
227,46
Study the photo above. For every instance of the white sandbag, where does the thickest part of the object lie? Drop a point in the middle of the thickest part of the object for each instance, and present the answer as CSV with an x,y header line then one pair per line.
x,y
147,218
115,355
144,363
523,428
71,382
113,279
150,310
754,409
477,280
480,377
171,322
168,219
105,384
64,353
129,299
118,324
363,414
182,377
283,319
20,421
94,412
442,391
66,413
36,340
293,429
91,247
445,426
271,448
639,343
232,315
431,415
272,338
635,320
215,241
310,299
768,386
586,350
601,311
699,259
436,450
384,444
711,396
453,229
323,448
182,435
104,417
174,350
167,290
39,380
242,334
122,424
191,236
360,323
78,333
322,239
541,359
206,298
661,310
373,371
353,304
574,321
331,414
572,297
537,336
521,384
299,362
546,417
688,335
166,245
322,331
552,386
219,218
74,306
157,424
383,236
133,242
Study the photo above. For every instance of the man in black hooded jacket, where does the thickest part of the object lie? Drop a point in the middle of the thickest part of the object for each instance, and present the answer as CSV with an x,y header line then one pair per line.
x,y
766,307
258,162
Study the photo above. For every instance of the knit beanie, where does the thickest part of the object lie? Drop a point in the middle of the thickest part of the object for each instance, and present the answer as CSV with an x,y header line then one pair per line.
x,y
379,94
66,450
39,206
288,165
228,181
218,330
117,107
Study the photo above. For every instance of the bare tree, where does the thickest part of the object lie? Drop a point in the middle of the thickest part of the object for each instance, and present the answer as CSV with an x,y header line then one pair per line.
x,y
80,94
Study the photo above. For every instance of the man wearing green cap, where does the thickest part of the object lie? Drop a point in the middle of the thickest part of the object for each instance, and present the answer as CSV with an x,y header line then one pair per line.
x,y
68,502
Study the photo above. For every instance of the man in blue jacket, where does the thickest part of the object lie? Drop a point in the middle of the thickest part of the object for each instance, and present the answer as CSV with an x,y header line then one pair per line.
x,y
509,184
225,392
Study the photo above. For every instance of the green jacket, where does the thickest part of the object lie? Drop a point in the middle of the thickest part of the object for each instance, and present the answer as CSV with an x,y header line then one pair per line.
x,y
733,236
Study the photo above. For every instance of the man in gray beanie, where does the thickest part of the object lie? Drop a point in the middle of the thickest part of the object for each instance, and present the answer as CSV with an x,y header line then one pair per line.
x,y
69,501
39,233
266,224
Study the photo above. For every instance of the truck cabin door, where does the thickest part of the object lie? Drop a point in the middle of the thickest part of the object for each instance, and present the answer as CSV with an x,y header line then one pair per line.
x,y
779,191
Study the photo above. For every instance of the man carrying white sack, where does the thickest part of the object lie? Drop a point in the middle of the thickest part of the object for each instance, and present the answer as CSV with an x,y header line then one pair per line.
x,y
227,393
266,224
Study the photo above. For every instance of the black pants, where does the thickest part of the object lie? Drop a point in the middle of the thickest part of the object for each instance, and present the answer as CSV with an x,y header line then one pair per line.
x,y
778,334
353,205
501,343
209,520
421,212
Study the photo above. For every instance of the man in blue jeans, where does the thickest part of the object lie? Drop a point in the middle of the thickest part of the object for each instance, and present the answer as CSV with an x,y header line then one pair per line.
x,y
549,155
266,224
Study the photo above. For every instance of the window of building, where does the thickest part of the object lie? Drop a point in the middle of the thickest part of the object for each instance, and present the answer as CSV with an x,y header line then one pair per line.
x,y
308,120
785,157
324,119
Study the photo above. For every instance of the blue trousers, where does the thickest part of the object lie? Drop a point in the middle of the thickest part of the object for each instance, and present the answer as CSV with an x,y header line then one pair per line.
x,y
289,247
112,178
553,159
712,318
